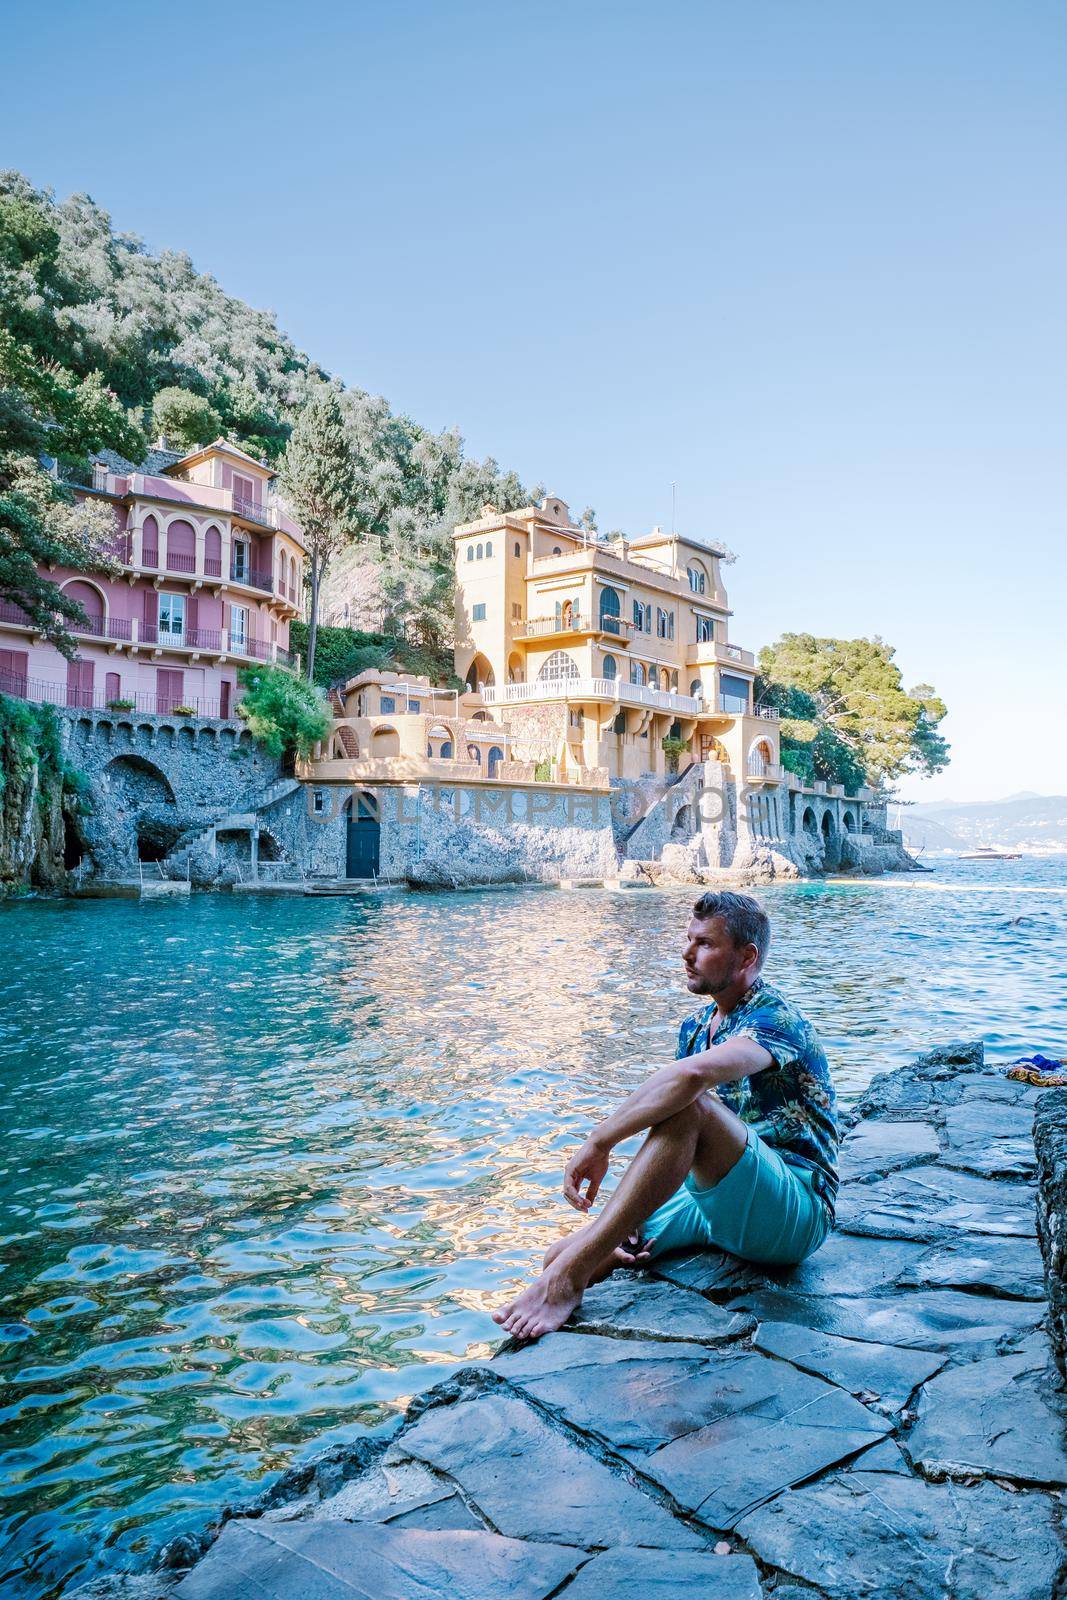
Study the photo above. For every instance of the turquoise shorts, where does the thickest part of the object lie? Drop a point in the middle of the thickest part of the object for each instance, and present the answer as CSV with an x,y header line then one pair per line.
x,y
763,1210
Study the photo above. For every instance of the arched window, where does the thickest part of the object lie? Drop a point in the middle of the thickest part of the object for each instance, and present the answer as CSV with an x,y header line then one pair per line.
x,y
91,600
181,546
446,750
559,665
637,672
697,578
150,543
653,678
556,551
496,756
213,553
481,551
696,689
518,548
611,668
488,548
470,552
610,610
759,759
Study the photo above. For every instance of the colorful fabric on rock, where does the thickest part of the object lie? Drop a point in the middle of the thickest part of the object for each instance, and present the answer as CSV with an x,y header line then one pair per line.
x,y
791,1104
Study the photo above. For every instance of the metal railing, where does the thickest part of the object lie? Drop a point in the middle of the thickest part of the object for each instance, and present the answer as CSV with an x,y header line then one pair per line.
x,y
254,577
41,692
177,562
253,511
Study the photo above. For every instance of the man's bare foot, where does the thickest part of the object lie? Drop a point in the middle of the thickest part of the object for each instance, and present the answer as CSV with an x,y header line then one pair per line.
x,y
631,1253
543,1307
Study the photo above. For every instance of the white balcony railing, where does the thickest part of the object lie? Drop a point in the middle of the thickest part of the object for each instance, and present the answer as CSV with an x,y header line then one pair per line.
x,y
635,694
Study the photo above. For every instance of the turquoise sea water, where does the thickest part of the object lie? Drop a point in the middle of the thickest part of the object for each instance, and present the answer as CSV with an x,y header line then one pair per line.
x,y
267,1164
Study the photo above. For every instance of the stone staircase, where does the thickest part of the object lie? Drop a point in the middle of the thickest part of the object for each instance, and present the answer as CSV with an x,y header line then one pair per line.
x,y
246,819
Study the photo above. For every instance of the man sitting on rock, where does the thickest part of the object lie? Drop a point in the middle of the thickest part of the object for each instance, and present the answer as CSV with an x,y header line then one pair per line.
x,y
741,1152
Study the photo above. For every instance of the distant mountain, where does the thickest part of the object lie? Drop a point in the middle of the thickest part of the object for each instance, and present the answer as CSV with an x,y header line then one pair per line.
x,y
1030,822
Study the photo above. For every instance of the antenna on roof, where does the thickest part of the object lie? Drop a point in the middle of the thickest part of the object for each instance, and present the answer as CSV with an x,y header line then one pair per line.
x,y
674,501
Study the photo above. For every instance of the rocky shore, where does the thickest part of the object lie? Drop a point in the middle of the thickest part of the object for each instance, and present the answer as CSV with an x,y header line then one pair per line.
x,y
884,1420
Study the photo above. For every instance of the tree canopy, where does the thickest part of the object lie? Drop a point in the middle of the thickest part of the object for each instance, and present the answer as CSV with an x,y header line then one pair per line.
x,y
167,348
846,716
285,713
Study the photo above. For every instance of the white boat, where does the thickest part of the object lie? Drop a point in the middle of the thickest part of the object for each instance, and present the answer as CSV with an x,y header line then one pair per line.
x,y
986,853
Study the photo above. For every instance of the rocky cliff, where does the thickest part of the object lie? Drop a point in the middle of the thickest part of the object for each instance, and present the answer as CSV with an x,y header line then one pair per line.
x,y
40,798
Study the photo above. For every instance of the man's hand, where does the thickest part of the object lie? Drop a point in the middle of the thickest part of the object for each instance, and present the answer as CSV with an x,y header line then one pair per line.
x,y
588,1167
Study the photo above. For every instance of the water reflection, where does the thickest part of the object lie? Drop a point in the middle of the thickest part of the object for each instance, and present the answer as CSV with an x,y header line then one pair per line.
x,y
267,1165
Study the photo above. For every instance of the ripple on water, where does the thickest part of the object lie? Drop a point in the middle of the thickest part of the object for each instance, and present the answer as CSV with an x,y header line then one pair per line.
x,y
281,1157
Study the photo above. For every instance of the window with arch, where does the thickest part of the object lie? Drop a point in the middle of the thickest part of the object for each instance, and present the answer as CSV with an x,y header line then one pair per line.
x,y
696,689
556,551
518,548
470,552
213,553
488,548
653,677
697,579
705,630
559,665
637,672
610,611
610,668
759,759
481,551
495,757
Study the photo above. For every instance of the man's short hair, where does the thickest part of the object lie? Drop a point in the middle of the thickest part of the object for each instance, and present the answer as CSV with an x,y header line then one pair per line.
x,y
745,918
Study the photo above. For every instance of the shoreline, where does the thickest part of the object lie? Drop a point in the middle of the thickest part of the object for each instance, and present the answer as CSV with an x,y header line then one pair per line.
x,y
897,1381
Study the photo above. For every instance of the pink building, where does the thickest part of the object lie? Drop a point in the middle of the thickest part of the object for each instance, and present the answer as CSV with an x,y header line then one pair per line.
x,y
212,574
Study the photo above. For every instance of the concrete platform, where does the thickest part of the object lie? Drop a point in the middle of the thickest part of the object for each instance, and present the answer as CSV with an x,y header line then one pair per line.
x,y
132,889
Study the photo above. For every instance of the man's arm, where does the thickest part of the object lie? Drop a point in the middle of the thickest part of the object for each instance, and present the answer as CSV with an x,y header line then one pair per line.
x,y
666,1092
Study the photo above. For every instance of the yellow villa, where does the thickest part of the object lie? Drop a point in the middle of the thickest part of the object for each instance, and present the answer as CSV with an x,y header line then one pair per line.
x,y
596,651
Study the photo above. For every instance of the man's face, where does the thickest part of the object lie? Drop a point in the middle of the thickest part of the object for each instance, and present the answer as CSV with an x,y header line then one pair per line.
x,y
711,959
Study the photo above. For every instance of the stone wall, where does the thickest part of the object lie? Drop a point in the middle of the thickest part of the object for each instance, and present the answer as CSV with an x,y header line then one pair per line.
x,y
451,837
156,780
1050,1141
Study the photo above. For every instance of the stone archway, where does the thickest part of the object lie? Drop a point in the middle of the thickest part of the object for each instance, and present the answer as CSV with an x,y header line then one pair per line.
x,y
479,674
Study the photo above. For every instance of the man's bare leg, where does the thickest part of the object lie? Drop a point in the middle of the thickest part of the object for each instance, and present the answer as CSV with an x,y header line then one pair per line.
x,y
706,1139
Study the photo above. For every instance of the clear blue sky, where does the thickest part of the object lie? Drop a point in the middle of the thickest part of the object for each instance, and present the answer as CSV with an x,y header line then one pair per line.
x,y
806,259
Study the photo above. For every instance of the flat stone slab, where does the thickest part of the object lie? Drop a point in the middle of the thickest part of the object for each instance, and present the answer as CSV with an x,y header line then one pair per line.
x,y
938,1319
881,1146
532,1482
882,1457
932,1202
1002,1418
893,1537
640,1402
640,1304
990,1266
743,1431
666,1575
848,1264
406,1494
992,1139
871,1371
709,1272
361,1561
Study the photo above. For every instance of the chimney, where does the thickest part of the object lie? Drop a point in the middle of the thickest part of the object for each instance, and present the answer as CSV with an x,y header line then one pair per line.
x,y
100,475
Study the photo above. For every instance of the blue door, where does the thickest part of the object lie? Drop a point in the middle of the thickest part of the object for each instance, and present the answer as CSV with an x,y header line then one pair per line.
x,y
364,837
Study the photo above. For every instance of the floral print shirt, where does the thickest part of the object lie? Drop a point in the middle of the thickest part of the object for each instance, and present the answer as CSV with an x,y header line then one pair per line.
x,y
791,1104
